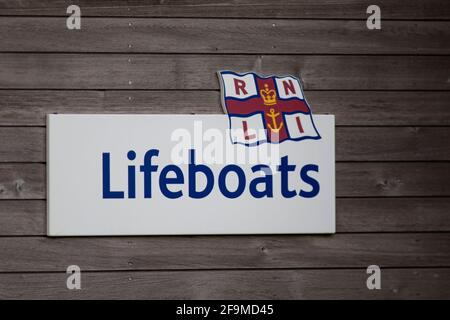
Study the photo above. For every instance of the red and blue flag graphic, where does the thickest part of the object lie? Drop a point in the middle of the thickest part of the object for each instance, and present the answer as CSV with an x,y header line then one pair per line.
x,y
265,109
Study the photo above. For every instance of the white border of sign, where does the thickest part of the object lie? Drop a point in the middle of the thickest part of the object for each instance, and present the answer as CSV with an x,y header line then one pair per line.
x,y
74,180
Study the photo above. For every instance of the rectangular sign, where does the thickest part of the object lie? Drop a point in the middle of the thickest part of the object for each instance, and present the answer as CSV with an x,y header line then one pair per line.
x,y
186,175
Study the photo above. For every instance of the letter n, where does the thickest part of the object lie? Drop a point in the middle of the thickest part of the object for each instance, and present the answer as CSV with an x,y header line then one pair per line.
x,y
288,86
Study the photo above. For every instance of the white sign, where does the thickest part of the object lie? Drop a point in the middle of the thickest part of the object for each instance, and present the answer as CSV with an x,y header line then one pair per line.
x,y
182,174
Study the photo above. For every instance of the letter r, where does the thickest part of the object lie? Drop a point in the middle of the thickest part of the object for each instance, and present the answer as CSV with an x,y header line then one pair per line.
x,y
239,85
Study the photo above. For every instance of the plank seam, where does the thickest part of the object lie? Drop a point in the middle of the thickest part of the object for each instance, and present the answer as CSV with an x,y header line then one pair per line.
x,y
225,269
219,18
214,90
3,236
128,53
221,269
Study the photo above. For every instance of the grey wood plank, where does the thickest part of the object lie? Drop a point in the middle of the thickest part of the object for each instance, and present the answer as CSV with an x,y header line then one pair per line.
x,y
223,36
22,181
232,284
229,252
351,108
353,179
19,218
28,218
392,143
392,179
21,144
154,71
392,214
28,144
355,9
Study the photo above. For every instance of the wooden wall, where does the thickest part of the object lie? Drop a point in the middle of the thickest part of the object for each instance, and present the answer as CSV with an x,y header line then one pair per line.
x,y
389,90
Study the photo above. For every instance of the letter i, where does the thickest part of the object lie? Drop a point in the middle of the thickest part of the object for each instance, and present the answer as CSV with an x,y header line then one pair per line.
x,y
131,176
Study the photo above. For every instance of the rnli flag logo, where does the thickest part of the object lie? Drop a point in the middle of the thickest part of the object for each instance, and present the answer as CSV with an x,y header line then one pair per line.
x,y
265,109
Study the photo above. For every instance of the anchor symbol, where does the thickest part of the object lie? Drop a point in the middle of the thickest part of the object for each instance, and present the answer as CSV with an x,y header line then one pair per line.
x,y
274,127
